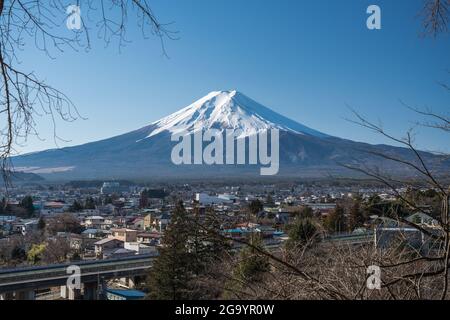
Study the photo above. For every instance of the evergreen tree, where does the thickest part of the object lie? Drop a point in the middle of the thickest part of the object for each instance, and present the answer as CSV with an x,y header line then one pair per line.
x,y
302,231
172,270
269,200
356,216
27,204
376,206
89,203
306,212
76,206
18,254
143,200
255,206
3,206
41,224
253,265
335,221
206,244
107,200
251,268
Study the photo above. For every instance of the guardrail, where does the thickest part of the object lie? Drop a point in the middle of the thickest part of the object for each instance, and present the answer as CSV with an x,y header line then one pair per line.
x,y
351,237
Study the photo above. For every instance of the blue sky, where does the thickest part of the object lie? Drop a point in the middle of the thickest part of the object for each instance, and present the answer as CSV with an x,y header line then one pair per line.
x,y
304,59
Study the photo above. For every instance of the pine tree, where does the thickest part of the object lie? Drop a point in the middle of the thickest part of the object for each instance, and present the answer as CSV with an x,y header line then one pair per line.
x,y
251,268
107,200
253,265
302,231
306,212
143,200
41,224
335,221
269,200
27,204
76,206
255,206
172,270
356,216
206,244
3,206
89,203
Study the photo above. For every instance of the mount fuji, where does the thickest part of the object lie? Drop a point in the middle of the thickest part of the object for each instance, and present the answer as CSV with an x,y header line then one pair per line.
x,y
229,110
146,153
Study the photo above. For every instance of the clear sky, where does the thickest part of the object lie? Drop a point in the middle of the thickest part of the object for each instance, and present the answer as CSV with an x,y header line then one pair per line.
x,y
304,59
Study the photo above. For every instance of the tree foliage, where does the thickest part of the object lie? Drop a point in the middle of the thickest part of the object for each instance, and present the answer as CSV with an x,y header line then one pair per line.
x,y
304,231
76,207
172,270
357,216
64,222
89,203
34,255
27,204
190,245
255,206
252,266
42,23
335,220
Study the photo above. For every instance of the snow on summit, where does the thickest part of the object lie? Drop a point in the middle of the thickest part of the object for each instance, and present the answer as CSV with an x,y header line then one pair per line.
x,y
228,110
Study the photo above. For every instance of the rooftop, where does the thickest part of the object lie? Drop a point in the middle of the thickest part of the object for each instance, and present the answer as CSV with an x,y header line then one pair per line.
x,y
127,293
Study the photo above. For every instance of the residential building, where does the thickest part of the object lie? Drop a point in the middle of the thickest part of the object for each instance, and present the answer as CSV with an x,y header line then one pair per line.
x,y
107,244
123,234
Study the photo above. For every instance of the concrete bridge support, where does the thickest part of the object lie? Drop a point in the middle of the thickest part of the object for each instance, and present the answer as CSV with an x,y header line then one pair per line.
x,y
7,296
74,294
90,291
64,292
25,295
18,285
129,282
70,294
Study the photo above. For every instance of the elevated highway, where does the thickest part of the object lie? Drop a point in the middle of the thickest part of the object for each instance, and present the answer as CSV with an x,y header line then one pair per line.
x,y
26,280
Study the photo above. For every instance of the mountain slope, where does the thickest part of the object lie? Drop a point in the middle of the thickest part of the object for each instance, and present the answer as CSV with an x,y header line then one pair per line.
x,y
231,110
146,153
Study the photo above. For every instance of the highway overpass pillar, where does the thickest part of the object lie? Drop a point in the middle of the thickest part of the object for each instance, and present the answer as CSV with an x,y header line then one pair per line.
x,y
64,292
7,296
90,291
131,282
69,293
25,295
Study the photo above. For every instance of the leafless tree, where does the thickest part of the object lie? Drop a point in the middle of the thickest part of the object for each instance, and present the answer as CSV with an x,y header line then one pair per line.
x,y
340,272
426,272
56,251
24,95
435,16
432,264
330,270
222,280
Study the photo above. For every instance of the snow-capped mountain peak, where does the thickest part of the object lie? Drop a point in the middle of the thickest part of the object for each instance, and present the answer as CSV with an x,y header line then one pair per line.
x,y
303,152
228,110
